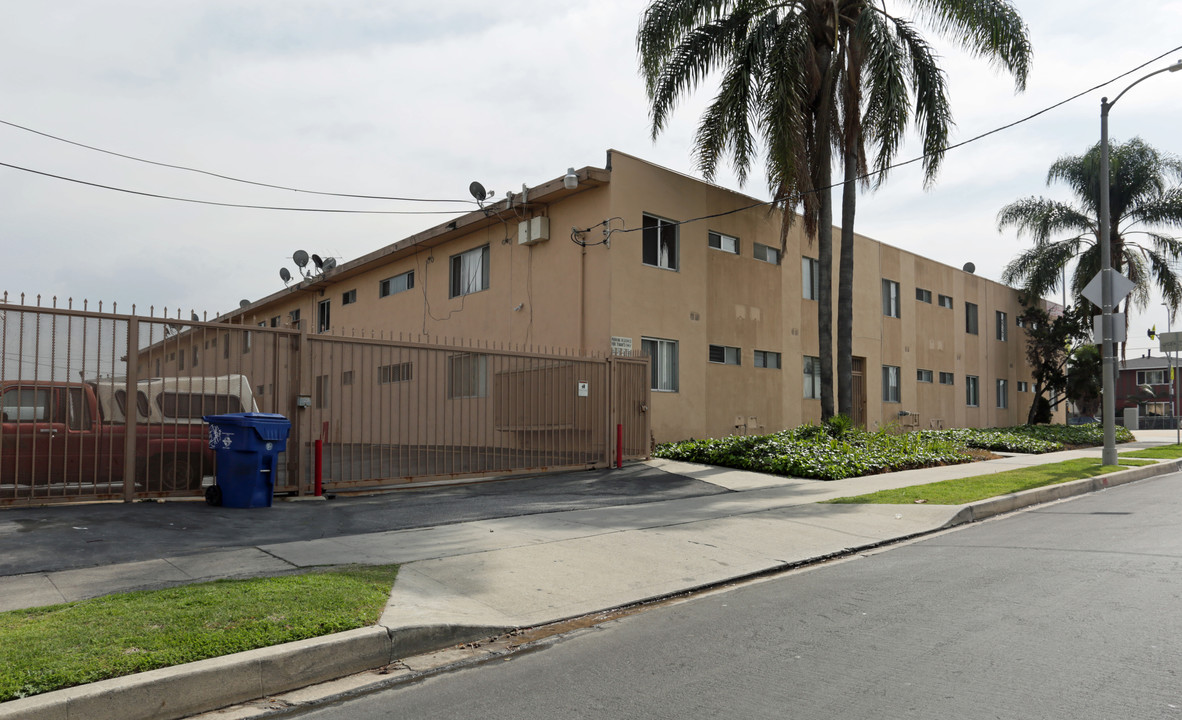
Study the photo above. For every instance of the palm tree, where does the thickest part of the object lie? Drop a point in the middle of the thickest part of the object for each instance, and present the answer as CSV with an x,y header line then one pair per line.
x,y
803,77
1143,204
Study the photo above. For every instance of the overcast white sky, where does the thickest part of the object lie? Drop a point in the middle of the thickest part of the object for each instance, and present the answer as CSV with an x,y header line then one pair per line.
x,y
419,99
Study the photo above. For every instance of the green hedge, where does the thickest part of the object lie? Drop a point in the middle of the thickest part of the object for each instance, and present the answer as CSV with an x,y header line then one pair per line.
x,y
835,450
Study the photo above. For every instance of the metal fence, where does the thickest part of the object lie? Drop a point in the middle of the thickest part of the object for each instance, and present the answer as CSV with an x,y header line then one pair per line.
x,y
102,405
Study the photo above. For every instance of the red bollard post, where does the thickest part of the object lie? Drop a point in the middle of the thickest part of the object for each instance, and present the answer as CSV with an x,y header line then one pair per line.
x,y
319,464
619,445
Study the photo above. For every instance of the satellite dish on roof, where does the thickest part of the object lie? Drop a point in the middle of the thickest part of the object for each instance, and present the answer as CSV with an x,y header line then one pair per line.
x,y
330,263
970,268
300,257
317,261
244,302
283,273
477,191
193,316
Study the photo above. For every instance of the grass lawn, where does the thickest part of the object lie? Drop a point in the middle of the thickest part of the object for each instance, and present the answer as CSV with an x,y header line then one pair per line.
x,y
1162,452
980,487
49,648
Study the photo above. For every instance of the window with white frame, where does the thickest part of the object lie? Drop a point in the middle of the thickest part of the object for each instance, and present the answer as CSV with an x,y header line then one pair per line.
x,y
1153,377
767,359
923,376
945,301
467,376
660,242
722,242
810,278
1003,393
947,378
970,318
972,391
890,298
766,253
891,378
1002,330
725,354
1023,386
924,296
812,377
469,271
323,316
663,363
399,283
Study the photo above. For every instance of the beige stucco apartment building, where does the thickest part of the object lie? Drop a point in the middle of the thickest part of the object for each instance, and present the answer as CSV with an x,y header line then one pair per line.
x,y
692,274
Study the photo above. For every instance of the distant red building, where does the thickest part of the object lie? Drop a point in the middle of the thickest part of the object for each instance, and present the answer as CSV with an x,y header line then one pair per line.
x,y
1144,383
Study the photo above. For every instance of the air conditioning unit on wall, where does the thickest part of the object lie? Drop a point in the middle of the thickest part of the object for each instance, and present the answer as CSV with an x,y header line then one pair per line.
x,y
534,230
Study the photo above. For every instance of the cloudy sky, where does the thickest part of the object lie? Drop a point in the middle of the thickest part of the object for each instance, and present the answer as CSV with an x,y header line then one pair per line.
x,y
400,98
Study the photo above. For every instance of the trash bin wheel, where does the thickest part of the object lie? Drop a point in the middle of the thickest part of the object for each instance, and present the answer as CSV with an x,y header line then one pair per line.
x,y
213,495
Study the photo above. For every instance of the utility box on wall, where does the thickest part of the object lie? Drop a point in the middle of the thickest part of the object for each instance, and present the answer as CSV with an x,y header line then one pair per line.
x,y
534,230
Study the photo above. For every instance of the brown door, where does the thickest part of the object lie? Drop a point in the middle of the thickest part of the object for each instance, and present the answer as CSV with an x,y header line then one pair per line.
x,y
859,392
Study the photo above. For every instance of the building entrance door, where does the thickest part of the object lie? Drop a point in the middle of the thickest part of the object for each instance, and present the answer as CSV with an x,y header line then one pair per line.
x,y
859,392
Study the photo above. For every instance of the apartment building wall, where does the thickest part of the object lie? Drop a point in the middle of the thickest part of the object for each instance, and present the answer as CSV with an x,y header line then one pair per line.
x,y
587,297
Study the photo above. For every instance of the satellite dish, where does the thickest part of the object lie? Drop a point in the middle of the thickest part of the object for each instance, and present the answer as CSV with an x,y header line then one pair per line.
x,y
244,302
330,263
283,273
319,263
477,191
300,257
193,316
970,268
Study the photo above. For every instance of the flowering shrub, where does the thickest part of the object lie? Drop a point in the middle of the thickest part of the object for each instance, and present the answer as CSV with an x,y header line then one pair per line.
x,y
835,451
809,451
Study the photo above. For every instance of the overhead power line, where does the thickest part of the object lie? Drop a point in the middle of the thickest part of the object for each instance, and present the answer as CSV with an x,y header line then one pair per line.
x,y
228,177
226,204
916,159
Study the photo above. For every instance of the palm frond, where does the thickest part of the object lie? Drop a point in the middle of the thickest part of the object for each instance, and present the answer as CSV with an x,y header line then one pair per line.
x,y
990,29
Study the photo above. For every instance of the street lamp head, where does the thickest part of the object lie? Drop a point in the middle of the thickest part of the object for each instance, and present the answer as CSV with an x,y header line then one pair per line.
x,y
1175,67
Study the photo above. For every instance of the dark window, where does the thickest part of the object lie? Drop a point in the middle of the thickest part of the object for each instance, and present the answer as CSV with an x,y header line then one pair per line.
x,y
323,316
396,284
767,359
726,243
399,372
467,376
660,243
725,354
970,318
469,272
349,297
766,253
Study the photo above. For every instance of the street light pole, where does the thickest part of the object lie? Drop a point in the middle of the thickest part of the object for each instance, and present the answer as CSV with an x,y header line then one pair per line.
x,y
1173,383
1106,330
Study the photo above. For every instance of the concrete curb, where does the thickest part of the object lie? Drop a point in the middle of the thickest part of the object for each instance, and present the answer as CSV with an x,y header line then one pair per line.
x,y
1001,504
184,690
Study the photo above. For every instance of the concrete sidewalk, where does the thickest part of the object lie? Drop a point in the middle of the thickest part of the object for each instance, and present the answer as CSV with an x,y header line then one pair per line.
x,y
464,582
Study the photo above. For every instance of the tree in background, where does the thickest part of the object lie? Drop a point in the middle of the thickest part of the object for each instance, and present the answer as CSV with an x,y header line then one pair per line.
x,y
1145,200
1084,379
1050,342
805,77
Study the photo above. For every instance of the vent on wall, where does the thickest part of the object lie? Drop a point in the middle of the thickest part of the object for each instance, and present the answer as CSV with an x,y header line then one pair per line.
x,y
534,230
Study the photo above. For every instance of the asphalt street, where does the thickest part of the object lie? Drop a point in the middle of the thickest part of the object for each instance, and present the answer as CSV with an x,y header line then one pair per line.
x,y
1070,610
61,537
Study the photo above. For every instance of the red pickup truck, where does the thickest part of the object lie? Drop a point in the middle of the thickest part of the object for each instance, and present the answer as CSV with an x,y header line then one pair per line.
x,y
73,434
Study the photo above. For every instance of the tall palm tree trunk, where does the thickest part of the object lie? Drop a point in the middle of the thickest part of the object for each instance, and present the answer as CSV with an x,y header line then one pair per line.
x,y
822,179
845,289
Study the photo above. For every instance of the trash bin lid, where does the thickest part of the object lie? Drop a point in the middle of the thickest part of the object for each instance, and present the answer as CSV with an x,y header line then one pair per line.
x,y
246,419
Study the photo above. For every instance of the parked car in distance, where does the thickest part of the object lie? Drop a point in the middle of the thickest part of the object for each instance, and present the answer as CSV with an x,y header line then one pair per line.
x,y
1082,420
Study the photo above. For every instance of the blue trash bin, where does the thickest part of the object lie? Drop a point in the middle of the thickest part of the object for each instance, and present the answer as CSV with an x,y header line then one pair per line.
x,y
247,446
